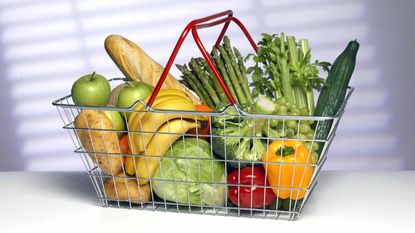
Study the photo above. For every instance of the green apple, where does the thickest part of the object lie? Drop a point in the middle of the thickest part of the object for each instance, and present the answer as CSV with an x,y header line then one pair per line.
x,y
131,93
114,93
91,90
117,120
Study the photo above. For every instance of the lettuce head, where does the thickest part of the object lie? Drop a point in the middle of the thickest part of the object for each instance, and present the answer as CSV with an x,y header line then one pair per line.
x,y
188,174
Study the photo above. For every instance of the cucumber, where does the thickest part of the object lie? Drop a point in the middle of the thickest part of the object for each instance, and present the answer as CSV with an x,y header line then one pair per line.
x,y
334,91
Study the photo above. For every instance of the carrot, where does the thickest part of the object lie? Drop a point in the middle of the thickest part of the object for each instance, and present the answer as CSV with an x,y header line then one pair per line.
x,y
124,144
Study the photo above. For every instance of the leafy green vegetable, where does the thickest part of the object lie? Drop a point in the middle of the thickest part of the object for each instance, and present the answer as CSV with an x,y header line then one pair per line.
x,y
238,138
190,175
231,115
283,69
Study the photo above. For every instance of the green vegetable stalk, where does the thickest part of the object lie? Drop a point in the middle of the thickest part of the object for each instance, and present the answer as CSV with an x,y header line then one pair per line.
x,y
283,69
232,70
237,69
203,77
243,72
218,89
282,61
224,73
235,82
194,84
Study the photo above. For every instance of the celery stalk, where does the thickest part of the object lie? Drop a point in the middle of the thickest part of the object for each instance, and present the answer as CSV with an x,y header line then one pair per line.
x,y
299,92
285,72
300,97
309,90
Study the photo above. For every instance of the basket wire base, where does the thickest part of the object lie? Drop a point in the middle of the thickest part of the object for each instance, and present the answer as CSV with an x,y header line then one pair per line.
x,y
230,210
217,211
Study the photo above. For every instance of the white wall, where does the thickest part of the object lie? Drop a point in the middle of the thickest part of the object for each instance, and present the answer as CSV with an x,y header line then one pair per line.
x,y
46,45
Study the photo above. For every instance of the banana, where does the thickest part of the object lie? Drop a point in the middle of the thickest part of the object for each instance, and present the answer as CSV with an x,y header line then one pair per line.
x,y
163,92
166,97
152,121
162,95
140,109
129,165
158,146
135,118
173,92
136,123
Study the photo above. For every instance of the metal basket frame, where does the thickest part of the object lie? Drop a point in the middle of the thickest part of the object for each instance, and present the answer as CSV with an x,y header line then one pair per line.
x,y
68,111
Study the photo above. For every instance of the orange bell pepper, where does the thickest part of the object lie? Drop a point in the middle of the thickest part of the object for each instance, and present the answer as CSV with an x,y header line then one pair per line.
x,y
288,167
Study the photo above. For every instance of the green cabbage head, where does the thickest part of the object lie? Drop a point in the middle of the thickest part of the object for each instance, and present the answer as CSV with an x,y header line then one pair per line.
x,y
190,175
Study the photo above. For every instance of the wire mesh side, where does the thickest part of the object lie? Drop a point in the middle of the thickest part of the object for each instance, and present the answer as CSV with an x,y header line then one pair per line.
x,y
99,145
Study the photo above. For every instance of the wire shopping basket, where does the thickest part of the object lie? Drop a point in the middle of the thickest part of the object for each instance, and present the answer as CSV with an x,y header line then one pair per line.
x,y
172,165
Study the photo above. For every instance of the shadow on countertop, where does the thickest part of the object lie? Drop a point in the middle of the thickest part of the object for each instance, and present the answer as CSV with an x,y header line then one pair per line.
x,y
74,185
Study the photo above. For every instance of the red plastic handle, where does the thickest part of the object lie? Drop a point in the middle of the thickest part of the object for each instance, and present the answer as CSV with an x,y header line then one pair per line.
x,y
194,26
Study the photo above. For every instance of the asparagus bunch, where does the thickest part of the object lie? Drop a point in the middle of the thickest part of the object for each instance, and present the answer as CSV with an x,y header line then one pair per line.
x,y
198,76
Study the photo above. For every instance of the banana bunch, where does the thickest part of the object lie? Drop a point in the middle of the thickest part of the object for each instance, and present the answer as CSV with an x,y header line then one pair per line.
x,y
152,134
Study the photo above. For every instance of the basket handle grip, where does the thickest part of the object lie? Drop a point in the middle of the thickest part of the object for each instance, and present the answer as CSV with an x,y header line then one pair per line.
x,y
193,26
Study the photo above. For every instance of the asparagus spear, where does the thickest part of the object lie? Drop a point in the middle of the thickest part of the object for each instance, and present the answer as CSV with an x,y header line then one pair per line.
x,y
244,85
224,73
185,83
221,94
205,80
192,86
235,82
195,84
243,72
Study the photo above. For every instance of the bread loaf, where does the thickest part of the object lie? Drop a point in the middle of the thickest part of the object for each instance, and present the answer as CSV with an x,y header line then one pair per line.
x,y
136,65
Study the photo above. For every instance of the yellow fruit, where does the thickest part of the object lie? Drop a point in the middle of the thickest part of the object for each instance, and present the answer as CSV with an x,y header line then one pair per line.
x,y
162,96
137,123
152,121
129,165
163,92
168,133
166,99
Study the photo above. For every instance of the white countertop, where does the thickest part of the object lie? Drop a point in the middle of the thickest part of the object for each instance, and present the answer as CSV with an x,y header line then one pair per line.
x,y
342,202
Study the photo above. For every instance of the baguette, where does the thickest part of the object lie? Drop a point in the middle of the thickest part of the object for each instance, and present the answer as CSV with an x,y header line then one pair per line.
x,y
136,65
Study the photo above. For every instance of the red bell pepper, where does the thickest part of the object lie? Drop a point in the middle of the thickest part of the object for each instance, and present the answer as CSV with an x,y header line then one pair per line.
x,y
249,181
